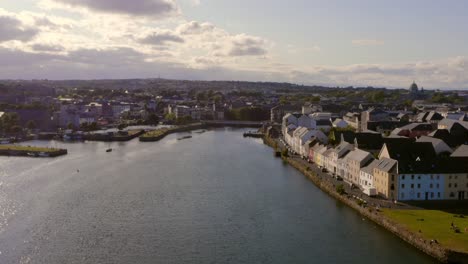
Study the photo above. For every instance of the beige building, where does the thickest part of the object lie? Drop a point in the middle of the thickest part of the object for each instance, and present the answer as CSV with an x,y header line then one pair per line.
x,y
456,186
386,178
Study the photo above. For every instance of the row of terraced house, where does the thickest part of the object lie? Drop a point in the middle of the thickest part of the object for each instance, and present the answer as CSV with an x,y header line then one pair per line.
x,y
395,168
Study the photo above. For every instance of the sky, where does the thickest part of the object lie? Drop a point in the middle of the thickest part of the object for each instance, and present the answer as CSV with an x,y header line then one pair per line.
x,y
323,42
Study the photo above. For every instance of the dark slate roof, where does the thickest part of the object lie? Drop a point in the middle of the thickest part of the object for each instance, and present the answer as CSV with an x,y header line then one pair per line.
x,y
324,123
455,137
418,127
415,157
365,140
385,125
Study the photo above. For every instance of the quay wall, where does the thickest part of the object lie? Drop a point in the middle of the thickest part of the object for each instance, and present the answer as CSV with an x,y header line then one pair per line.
x,y
24,153
440,253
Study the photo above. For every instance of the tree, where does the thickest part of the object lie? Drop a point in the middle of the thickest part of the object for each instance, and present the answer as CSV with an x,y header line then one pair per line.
x,y
70,126
16,129
170,117
31,125
332,138
121,126
152,119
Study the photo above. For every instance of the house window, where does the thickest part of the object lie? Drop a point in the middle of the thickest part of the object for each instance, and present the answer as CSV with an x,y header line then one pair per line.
x,y
455,185
419,186
419,177
419,195
403,177
438,176
452,194
412,186
412,177
455,177
392,187
450,185
450,177
437,185
402,186
438,195
432,195
432,177
430,186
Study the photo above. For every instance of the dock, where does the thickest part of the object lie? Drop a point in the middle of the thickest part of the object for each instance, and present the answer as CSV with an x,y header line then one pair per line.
x,y
29,151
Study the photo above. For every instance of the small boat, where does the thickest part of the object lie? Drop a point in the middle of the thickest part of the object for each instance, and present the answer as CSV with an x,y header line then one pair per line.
x,y
31,154
44,154
109,150
186,137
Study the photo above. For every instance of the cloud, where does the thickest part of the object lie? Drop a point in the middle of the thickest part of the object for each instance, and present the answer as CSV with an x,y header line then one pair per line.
x,y
195,2
194,27
12,28
367,42
161,38
243,45
47,48
147,8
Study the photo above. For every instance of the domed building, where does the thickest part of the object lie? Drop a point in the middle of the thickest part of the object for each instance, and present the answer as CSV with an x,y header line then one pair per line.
x,y
414,88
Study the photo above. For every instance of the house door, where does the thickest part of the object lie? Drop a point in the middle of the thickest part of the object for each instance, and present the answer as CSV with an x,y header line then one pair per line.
x,y
461,195
427,196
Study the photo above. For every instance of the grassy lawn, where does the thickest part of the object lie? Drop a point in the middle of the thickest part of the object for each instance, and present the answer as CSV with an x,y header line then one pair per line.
x,y
436,225
26,148
156,133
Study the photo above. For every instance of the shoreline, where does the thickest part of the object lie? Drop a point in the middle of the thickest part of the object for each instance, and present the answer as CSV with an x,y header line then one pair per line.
x,y
167,131
436,251
20,151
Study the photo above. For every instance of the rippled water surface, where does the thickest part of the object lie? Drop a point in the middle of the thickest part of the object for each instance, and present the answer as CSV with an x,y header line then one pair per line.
x,y
214,198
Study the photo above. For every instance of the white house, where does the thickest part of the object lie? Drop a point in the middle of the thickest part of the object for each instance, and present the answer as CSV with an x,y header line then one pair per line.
x,y
355,160
337,153
366,177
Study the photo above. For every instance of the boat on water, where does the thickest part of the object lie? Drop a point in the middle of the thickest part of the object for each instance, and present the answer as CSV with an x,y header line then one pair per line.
x,y
43,154
109,150
31,154
186,137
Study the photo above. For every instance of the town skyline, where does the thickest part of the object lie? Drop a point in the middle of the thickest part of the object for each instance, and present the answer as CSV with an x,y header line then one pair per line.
x,y
324,43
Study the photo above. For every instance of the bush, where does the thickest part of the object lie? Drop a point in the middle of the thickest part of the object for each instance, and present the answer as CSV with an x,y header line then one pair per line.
x,y
340,189
284,153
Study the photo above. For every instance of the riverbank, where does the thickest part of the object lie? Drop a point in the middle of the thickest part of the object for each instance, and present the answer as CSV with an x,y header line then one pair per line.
x,y
159,134
439,252
28,151
118,137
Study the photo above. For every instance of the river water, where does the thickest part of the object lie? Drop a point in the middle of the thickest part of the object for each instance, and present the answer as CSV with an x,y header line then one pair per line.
x,y
213,198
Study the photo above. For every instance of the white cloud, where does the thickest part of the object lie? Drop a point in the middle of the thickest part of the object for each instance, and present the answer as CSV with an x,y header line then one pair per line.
x,y
367,42
161,38
195,2
243,45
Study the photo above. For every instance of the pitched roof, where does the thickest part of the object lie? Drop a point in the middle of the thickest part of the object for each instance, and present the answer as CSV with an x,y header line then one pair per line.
x,y
386,164
413,157
358,155
369,169
461,151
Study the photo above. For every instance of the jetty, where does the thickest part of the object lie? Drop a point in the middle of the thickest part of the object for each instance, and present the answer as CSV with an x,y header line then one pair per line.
x,y
29,151
159,134
232,123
